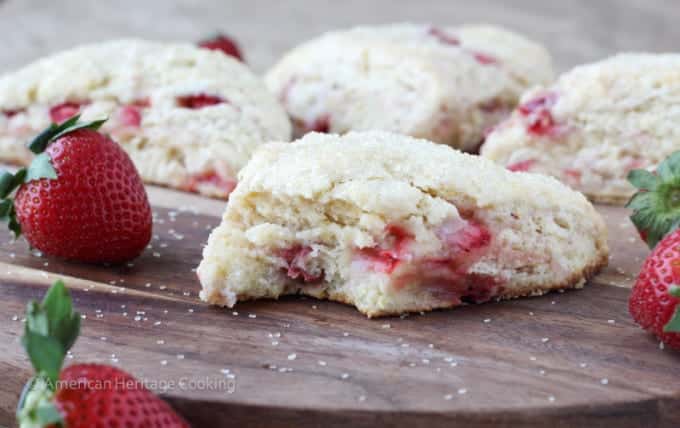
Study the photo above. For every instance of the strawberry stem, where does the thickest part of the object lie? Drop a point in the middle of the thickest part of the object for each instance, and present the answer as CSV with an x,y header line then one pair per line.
x,y
50,331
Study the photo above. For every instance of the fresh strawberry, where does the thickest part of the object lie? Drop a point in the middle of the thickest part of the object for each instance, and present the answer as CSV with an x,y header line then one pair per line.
x,y
223,43
80,199
654,302
82,395
656,205
198,101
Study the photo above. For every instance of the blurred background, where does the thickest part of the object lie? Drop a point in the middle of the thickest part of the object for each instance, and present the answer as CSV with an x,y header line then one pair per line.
x,y
575,31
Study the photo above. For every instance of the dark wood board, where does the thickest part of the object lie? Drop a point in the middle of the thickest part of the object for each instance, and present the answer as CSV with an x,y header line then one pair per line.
x,y
566,359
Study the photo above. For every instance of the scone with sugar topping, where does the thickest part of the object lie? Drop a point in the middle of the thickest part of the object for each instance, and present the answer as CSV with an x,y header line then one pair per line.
x,y
188,117
595,124
447,85
392,224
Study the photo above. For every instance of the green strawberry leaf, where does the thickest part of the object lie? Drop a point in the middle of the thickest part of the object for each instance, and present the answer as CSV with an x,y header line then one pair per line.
x,y
669,169
14,225
6,207
674,291
46,354
673,325
656,206
51,330
643,179
64,324
40,143
36,319
40,168
6,184
94,125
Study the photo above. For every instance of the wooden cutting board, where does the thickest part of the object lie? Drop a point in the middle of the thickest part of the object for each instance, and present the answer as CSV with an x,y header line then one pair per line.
x,y
565,359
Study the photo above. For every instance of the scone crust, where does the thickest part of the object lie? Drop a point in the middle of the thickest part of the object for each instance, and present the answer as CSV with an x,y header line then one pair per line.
x,y
173,143
604,119
335,195
447,85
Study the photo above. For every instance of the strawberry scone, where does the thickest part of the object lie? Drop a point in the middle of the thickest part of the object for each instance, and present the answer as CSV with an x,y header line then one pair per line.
x,y
595,124
392,224
189,117
447,85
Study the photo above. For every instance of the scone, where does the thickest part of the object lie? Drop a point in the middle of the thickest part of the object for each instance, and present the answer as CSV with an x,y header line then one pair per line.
x,y
190,118
447,85
595,124
393,224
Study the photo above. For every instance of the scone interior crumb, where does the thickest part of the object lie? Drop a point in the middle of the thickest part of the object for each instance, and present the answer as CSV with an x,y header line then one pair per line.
x,y
375,237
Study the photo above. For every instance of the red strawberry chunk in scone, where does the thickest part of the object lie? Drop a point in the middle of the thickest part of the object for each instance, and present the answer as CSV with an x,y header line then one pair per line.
x,y
386,258
445,277
522,166
538,114
130,116
484,59
199,101
212,179
223,44
11,113
443,37
62,112
296,258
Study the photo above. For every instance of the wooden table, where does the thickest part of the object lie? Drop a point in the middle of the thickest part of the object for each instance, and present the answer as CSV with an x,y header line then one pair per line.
x,y
572,359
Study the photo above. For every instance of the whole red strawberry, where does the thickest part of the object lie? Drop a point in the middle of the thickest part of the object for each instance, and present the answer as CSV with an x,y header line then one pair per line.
x,y
124,401
81,199
222,43
82,395
655,297
655,300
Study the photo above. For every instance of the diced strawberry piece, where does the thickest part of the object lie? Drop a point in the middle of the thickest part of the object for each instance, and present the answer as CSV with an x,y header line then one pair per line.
x,y
213,179
541,123
199,101
296,257
65,111
223,44
544,101
443,37
524,165
464,236
11,113
384,261
540,120
385,258
131,116
321,124
484,59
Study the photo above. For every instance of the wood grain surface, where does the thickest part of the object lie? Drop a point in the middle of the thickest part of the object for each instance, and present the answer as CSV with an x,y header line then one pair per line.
x,y
572,359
